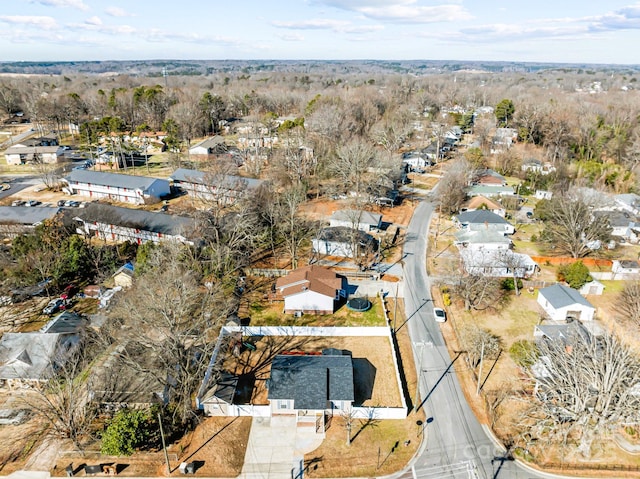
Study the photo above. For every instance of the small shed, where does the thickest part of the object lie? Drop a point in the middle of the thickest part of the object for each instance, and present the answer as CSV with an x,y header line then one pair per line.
x,y
594,287
124,276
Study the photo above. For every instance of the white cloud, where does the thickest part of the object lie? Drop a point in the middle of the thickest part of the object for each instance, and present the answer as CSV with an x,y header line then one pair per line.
x,y
117,12
291,37
44,22
79,4
337,26
93,21
403,11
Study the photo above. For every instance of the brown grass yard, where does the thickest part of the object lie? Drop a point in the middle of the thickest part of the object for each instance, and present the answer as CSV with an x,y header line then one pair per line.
x,y
217,445
263,313
372,451
256,365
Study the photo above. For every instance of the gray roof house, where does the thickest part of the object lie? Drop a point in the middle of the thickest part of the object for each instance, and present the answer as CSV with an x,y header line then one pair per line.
x,y
116,187
344,242
15,220
210,146
311,382
27,359
358,219
561,302
213,186
483,219
115,223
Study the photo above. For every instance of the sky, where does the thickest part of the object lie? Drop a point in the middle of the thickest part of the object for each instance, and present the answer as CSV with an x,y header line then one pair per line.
x,y
565,31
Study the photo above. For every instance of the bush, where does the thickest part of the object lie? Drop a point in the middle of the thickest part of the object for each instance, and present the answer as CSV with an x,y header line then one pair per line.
x,y
446,299
534,238
128,430
524,353
508,284
575,274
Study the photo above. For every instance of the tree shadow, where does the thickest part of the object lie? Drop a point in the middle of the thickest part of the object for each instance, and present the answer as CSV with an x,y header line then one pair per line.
x,y
208,441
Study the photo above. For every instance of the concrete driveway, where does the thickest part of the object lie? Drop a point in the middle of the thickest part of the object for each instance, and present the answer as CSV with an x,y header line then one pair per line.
x,y
276,448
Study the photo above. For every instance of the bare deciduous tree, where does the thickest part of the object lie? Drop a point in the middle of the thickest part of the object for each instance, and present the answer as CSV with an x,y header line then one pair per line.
x,y
478,292
629,302
571,227
585,386
451,190
171,316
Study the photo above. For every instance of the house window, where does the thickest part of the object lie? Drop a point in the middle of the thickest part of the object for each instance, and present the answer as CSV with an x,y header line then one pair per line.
x,y
283,405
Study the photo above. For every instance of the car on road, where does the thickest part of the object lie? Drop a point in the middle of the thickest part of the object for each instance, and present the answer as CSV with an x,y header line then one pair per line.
x,y
440,315
53,306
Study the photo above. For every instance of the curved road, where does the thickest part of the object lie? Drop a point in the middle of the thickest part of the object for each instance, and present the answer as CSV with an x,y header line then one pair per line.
x,y
457,445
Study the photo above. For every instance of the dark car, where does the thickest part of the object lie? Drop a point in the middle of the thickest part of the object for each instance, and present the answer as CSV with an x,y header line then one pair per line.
x,y
53,306
61,202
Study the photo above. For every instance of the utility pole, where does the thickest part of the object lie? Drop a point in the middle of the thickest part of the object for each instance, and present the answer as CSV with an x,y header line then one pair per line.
x,y
164,445
480,371
418,373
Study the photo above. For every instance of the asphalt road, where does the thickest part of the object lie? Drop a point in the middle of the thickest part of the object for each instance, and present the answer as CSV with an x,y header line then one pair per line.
x,y
456,445
17,183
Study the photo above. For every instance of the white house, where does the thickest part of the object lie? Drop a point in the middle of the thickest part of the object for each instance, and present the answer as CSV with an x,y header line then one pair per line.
x,y
482,239
628,202
344,242
625,269
497,263
561,302
483,219
210,146
358,219
311,289
543,195
19,155
132,189
311,383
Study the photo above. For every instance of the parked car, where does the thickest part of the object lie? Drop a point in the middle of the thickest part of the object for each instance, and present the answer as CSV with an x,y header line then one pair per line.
x,y
32,203
440,315
53,306
72,203
18,203
69,292
61,202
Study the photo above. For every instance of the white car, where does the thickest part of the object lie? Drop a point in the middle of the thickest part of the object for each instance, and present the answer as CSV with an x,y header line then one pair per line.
x,y
440,315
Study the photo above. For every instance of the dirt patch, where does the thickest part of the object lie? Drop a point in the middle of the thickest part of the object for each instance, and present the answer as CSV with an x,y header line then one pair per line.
x,y
322,209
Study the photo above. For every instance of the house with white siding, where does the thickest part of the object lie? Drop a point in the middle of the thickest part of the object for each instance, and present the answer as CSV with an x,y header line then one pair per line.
x,y
137,190
311,289
358,219
20,155
561,302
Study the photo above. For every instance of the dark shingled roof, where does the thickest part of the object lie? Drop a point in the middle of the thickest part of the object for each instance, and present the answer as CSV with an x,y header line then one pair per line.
x,y
344,234
26,215
140,219
312,381
481,217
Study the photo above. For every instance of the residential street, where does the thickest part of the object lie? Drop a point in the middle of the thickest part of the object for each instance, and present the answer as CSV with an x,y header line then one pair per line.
x,y
457,445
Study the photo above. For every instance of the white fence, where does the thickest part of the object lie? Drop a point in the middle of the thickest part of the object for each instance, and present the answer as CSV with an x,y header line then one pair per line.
x,y
306,331
608,275
293,331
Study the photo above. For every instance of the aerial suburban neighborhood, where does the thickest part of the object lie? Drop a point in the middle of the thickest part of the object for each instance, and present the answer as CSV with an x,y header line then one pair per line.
x,y
347,271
